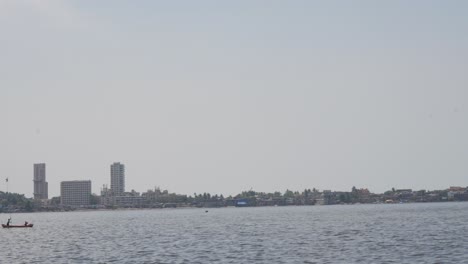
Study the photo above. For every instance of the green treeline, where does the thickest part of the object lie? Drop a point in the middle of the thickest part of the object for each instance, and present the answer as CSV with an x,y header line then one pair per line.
x,y
15,202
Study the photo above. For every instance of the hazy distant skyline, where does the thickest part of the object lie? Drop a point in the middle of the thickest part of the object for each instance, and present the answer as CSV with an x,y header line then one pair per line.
x,y
221,97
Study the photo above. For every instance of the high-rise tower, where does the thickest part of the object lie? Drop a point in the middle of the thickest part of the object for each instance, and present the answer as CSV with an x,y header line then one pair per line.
x,y
117,178
40,184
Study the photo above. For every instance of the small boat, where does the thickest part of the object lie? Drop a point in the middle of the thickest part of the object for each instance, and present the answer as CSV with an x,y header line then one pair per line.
x,y
16,226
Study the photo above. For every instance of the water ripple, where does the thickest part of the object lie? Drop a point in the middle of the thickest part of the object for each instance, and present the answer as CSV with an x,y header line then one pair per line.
x,y
415,233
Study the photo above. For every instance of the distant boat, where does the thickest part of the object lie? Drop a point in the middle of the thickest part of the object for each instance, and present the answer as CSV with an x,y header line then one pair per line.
x,y
16,226
8,225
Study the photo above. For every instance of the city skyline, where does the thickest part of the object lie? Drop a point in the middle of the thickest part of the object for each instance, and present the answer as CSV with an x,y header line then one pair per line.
x,y
117,180
229,96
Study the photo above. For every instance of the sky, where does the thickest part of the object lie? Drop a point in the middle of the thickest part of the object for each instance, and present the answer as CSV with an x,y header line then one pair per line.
x,y
228,96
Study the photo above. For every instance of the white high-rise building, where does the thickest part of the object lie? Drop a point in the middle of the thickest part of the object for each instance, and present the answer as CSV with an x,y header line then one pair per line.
x,y
40,185
75,193
117,179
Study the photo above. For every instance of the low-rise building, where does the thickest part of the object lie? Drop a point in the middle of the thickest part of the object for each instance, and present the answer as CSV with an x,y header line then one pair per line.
x,y
129,199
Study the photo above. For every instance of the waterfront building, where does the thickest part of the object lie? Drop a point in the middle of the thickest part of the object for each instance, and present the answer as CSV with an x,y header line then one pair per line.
x,y
129,199
75,193
117,178
106,196
457,189
40,185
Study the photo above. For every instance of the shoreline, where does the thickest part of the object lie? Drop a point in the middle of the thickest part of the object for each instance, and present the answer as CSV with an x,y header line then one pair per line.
x,y
221,207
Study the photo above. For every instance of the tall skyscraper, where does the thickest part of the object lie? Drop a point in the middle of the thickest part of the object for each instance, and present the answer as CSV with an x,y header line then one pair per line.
x,y
117,178
40,185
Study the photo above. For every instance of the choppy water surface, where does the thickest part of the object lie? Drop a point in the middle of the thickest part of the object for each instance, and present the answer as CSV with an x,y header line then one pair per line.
x,y
406,233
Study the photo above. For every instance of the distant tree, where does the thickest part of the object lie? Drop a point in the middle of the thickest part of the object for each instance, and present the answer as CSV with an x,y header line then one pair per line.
x,y
93,199
55,200
288,194
16,200
342,198
28,206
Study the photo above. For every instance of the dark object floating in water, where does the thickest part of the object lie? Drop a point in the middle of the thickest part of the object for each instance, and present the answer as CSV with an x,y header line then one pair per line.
x,y
206,211
16,226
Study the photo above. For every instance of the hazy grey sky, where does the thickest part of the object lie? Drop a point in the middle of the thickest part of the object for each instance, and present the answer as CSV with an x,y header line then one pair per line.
x,y
224,96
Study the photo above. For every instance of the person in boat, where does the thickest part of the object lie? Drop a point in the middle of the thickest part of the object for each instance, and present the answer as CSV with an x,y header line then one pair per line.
x,y
8,222
25,223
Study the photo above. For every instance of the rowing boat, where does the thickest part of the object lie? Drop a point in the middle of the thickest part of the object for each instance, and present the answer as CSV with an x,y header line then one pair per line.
x,y
16,226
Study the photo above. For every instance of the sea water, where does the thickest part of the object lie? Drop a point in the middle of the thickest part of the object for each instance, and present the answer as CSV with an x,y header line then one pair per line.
x,y
384,233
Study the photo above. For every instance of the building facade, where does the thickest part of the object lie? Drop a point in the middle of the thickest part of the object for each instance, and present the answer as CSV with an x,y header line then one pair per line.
x,y
75,193
117,179
40,185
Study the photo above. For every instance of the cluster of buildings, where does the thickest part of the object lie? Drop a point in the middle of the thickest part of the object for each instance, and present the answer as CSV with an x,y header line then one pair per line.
x,y
78,193
360,196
